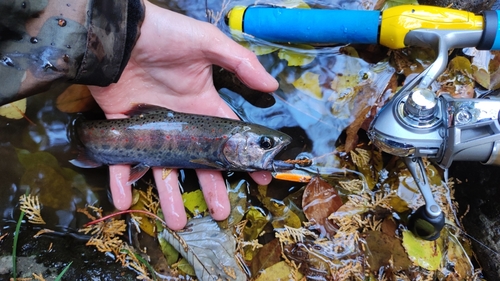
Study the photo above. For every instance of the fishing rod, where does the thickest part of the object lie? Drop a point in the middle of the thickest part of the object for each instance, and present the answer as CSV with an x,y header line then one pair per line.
x,y
415,123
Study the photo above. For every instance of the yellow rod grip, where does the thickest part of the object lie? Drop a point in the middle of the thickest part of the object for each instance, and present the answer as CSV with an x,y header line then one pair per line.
x,y
398,21
236,18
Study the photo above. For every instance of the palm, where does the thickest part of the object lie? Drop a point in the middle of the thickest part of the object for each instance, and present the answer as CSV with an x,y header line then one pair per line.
x,y
171,66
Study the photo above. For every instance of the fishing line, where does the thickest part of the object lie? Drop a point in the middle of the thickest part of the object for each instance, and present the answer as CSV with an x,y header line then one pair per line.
x,y
472,238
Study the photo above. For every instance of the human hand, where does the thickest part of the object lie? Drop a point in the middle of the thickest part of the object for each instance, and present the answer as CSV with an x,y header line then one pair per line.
x,y
171,66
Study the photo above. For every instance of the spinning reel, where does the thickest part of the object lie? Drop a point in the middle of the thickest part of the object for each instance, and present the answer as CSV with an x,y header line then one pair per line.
x,y
415,123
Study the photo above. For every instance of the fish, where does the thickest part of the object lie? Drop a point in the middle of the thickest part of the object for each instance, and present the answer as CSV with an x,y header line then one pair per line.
x,y
153,136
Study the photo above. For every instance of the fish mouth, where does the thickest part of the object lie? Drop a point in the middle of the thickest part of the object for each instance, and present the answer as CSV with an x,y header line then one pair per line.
x,y
270,164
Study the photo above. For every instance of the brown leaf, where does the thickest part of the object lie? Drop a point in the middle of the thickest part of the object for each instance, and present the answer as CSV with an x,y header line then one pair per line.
x,y
384,247
319,201
266,257
76,98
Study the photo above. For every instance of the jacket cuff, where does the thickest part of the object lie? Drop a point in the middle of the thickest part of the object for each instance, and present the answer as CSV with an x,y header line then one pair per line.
x,y
113,29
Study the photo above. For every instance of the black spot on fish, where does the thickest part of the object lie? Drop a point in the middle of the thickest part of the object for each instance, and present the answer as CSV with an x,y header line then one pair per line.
x,y
105,146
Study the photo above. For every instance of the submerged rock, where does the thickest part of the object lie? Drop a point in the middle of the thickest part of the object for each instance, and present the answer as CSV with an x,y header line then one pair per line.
x,y
477,191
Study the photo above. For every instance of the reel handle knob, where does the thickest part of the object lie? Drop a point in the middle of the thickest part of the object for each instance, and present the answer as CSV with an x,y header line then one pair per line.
x,y
425,226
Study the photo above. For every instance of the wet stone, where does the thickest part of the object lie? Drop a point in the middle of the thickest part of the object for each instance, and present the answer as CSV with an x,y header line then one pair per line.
x,y
477,194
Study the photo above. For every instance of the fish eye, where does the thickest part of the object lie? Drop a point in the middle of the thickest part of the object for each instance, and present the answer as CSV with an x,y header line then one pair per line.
x,y
266,142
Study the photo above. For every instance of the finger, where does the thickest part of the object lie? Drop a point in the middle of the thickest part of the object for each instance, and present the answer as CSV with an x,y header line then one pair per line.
x,y
121,191
225,52
170,198
261,177
215,193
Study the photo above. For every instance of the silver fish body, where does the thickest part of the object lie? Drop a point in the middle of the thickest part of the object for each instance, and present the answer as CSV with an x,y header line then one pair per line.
x,y
158,137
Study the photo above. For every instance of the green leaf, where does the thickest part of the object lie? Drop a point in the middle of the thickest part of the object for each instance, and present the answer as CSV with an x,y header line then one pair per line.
x,y
185,267
426,254
257,220
195,202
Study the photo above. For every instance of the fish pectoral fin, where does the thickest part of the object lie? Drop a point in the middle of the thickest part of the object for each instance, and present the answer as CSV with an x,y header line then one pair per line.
x,y
83,161
213,165
137,172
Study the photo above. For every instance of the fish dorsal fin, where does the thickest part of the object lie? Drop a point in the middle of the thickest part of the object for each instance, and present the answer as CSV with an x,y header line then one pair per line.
x,y
144,109
137,172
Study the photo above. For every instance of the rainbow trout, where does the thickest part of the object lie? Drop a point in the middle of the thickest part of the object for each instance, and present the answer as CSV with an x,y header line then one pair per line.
x,y
158,137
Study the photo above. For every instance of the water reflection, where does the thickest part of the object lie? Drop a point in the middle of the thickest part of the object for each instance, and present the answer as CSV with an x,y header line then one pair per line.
x,y
35,152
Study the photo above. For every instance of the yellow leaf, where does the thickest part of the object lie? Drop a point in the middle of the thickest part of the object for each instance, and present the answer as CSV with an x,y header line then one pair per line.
x,y
257,49
14,110
146,224
195,202
297,58
426,254
309,83
76,98
279,271
296,4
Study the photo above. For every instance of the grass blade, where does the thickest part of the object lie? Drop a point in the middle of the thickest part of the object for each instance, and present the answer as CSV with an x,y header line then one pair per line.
x,y
58,278
14,246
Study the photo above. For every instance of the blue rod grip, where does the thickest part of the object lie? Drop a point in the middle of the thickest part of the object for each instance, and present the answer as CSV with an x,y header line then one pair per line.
x,y
312,26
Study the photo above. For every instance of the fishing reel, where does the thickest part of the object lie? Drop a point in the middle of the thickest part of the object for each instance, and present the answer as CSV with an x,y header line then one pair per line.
x,y
417,124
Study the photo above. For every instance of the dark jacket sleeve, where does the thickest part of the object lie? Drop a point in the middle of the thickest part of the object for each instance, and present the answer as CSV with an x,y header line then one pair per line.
x,y
43,42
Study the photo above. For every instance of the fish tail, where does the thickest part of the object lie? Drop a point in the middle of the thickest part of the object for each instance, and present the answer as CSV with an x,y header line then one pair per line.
x,y
72,132
82,160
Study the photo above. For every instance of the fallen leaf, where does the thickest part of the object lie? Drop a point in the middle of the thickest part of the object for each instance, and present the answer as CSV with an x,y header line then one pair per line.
x,y
309,83
279,271
76,98
237,193
14,110
257,219
426,254
295,58
383,248
195,202
458,79
210,250
457,258
267,256
319,201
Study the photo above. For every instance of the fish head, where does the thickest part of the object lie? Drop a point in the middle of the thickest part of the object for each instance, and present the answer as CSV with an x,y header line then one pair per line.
x,y
253,148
